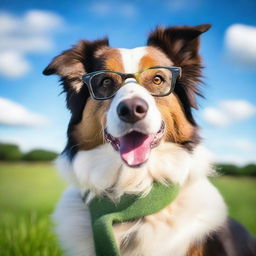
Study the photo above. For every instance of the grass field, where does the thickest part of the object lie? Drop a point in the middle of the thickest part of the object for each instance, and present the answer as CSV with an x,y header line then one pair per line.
x,y
28,193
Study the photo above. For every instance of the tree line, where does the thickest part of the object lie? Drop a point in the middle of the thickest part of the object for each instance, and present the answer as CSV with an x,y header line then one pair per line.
x,y
231,169
11,152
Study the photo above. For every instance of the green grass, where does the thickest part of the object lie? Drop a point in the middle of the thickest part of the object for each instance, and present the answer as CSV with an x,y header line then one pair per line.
x,y
29,192
240,196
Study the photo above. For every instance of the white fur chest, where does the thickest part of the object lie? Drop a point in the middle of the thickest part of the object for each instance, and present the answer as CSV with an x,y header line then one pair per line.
x,y
173,230
198,210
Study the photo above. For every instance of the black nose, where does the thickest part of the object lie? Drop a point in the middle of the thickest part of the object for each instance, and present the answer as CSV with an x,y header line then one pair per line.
x,y
132,110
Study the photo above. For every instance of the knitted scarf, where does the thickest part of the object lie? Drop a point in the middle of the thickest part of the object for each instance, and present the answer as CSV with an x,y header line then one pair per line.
x,y
104,213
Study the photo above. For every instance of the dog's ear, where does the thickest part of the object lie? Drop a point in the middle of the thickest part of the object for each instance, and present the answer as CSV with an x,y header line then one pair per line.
x,y
179,43
71,64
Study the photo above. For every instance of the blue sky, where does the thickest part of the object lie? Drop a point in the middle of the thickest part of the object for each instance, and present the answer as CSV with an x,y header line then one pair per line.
x,y
33,114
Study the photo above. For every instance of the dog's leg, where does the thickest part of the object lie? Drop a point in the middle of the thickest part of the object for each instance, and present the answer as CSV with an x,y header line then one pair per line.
x,y
73,224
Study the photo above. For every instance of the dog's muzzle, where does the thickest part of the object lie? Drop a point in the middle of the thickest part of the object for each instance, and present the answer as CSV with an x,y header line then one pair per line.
x,y
135,147
134,124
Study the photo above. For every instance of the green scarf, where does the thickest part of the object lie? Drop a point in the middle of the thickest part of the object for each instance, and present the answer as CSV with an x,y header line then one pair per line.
x,y
104,213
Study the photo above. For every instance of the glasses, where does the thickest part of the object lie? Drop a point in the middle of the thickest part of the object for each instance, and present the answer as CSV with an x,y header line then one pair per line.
x,y
159,81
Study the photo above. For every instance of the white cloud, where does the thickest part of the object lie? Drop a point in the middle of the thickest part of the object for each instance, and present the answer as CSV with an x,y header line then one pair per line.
x,y
240,42
228,112
236,159
12,64
12,113
31,33
244,145
215,117
26,44
238,109
7,23
233,144
106,8
42,21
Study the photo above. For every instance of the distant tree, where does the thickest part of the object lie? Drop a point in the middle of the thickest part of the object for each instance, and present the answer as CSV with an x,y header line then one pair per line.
x,y
40,155
249,170
10,152
228,169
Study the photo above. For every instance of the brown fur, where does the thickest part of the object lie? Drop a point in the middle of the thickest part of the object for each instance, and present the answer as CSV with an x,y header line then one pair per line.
x,y
154,57
176,46
89,132
71,64
178,129
112,60
181,45
196,250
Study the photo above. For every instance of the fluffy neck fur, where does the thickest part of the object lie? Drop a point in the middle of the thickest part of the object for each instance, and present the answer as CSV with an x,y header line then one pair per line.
x,y
101,170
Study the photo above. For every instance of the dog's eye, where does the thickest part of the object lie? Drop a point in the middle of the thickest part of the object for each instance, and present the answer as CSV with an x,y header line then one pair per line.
x,y
158,80
106,82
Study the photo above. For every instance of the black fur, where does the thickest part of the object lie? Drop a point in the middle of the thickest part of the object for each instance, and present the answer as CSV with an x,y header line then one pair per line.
x,y
181,45
83,53
231,240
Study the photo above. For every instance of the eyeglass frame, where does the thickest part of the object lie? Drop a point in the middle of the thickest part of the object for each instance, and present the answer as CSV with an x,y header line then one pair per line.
x,y
176,73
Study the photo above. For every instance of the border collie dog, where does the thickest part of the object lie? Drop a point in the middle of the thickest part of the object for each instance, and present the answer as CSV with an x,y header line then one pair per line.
x,y
132,125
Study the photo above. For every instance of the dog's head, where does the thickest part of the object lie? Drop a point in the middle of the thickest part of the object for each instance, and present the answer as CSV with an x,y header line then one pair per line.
x,y
132,98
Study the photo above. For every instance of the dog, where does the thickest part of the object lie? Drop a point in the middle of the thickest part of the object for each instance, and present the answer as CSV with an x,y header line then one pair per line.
x,y
132,125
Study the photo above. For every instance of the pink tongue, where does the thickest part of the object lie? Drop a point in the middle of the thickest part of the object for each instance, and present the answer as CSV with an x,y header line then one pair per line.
x,y
135,148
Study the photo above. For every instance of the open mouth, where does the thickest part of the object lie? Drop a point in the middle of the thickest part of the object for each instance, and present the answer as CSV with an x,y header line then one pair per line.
x,y
135,147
